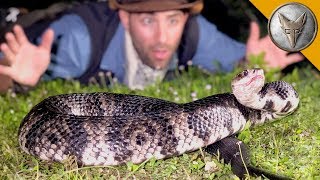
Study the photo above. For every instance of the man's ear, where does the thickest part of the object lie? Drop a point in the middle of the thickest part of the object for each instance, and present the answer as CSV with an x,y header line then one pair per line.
x,y
124,18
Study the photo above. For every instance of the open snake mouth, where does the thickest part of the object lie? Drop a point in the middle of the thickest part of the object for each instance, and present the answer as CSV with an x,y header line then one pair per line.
x,y
253,79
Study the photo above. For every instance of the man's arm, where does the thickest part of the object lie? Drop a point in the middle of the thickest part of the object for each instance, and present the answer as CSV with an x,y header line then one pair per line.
x,y
71,50
216,51
274,56
69,55
22,61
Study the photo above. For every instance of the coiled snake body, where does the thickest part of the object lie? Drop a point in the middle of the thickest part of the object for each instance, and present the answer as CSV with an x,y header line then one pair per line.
x,y
112,129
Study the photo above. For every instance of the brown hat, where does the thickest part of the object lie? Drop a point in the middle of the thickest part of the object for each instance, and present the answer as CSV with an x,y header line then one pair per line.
x,y
193,6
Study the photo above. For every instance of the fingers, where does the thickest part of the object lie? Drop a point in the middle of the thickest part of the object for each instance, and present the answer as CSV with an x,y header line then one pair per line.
x,y
296,57
8,54
5,70
47,39
254,32
12,42
20,35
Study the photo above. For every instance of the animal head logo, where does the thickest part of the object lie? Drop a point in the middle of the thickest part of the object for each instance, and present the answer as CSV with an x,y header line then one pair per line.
x,y
292,29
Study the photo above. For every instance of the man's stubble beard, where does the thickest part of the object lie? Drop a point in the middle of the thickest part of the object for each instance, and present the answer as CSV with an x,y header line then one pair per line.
x,y
143,54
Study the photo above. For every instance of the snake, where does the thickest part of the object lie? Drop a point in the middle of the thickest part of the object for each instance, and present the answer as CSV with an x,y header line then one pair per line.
x,y
105,128
236,153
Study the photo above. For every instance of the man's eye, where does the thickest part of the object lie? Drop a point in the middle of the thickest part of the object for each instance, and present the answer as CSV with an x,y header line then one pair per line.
x,y
173,21
147,21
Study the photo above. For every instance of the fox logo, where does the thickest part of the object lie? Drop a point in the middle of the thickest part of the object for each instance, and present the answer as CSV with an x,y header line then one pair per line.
x,y
292,29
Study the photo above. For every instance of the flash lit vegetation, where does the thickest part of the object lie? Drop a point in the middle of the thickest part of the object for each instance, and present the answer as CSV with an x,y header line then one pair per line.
x,y
290,146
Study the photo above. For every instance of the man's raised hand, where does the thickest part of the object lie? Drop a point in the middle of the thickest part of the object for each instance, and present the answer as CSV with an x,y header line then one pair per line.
x,y
26,61
274,56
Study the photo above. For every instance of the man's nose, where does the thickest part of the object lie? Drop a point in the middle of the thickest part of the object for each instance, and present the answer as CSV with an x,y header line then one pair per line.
x,y
161,34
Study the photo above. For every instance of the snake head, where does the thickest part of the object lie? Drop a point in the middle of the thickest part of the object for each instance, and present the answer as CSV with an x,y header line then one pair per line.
x,y
247,83
249,78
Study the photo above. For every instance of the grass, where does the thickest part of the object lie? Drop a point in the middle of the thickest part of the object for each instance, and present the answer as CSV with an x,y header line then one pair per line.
x,y
290,146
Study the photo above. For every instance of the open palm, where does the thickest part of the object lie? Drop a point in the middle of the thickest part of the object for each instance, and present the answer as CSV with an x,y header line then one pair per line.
x,y
27,62
274,56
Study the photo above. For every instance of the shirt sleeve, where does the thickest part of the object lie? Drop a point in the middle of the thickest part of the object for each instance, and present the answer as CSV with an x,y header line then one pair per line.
x,y
70,53
216,51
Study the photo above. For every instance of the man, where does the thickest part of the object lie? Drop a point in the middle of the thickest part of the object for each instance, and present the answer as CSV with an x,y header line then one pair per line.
x,y
152,38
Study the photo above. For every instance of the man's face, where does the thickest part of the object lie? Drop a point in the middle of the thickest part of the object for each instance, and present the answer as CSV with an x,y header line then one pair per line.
x,y
155,36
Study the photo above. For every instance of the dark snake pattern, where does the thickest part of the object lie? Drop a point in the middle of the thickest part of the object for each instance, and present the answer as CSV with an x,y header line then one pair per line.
x,y
111,129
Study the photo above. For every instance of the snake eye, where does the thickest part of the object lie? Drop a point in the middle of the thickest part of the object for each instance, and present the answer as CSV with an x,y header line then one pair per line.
x,y
256,70
245,73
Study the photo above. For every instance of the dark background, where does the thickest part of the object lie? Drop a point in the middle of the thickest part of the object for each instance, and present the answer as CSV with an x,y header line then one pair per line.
x,y
231,17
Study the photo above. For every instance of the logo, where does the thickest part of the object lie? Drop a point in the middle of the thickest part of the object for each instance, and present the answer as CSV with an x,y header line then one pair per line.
x,y
292,27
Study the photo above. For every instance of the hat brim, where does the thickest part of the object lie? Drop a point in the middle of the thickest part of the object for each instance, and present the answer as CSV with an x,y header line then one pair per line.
x,y
194,7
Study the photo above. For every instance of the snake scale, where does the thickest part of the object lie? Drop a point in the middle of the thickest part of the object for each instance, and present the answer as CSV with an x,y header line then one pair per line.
x,y
112,129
